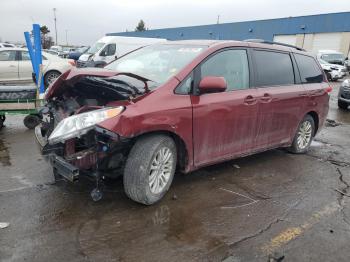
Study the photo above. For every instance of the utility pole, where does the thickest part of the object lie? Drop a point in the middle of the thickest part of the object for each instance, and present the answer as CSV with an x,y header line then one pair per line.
x,y
66,37
218,21
54,15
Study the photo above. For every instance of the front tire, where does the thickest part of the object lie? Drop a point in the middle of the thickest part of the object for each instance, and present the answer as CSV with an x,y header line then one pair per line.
x,y
150,168
31,121
342,105
304,135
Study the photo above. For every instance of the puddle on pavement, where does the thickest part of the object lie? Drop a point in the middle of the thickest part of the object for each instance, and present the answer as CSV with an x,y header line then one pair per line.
x,y
4,154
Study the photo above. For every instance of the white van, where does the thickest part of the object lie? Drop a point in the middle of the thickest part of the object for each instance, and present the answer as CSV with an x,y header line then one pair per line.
x,y
109,48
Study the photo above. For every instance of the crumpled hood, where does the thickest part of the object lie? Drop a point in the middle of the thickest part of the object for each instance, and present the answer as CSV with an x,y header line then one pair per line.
x,y
73,75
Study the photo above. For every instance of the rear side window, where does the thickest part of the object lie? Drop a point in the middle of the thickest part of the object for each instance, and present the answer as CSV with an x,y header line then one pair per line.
x,y
25,55
309,70
230,64
273,68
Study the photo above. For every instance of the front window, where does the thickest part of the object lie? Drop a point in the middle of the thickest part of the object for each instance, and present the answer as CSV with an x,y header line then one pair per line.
x,y
230,64
8,55
157,62
109,50
95,48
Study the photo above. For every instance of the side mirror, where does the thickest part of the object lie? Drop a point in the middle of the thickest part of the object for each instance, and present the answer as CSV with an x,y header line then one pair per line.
x,y
212,84
116,57
103,53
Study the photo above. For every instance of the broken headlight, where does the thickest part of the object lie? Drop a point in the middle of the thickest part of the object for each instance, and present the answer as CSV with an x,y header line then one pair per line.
x,y
77,125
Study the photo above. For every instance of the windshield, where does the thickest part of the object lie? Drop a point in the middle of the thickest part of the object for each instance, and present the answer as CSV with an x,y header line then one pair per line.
x,y
332,57
95,48
157,62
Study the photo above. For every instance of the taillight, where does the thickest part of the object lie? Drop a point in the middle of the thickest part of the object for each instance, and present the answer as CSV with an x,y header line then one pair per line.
x,y
71,62
328,89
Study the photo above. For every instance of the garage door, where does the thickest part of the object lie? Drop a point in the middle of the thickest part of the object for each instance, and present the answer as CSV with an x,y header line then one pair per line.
x,y
286,39
326,41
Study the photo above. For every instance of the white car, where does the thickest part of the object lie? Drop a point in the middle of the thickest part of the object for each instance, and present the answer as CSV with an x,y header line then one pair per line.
x,y
15,65
333,71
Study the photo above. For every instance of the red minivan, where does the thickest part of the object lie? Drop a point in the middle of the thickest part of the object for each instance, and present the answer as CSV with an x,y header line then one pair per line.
x,y
180,106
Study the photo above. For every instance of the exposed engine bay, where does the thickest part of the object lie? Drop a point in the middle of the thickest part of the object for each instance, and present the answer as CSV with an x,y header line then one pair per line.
x,y
69,130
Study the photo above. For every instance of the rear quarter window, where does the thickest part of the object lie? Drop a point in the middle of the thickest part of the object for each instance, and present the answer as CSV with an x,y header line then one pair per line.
x,y
309,70
273,68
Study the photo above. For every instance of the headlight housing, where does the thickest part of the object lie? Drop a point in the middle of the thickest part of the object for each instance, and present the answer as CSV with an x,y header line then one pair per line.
x,y
77,125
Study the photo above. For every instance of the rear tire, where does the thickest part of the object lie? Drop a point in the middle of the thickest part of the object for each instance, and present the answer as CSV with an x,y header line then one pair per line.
x,y
150,168
304,135
342,105
50,77
31,121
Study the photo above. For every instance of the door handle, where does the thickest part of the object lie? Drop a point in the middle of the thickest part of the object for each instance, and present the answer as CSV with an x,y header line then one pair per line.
x,y
249,100
303,94
266,98
12,66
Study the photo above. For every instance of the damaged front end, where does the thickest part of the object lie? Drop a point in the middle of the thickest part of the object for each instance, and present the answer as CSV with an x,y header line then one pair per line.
x,y
69,134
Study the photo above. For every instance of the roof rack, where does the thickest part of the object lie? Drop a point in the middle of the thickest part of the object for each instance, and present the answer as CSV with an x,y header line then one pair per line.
x,y
273,43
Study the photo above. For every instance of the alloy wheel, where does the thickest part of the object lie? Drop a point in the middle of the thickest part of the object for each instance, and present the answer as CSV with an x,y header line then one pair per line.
x,y
161,169
304,135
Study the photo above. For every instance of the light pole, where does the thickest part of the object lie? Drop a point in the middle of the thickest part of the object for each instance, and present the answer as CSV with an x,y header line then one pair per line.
x,y
66,37
54,15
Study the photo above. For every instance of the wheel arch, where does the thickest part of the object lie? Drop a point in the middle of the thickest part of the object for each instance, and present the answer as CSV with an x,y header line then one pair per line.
x,y
182,150
316,119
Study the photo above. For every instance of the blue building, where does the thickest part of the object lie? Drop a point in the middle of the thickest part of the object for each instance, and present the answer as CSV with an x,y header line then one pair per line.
x,y
314,32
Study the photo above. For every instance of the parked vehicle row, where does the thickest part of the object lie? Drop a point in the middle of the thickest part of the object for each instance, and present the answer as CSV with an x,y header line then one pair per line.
x,y
15,65
180,106
109,48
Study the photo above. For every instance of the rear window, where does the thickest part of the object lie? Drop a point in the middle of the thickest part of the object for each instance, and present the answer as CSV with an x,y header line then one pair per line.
x,y
310,72
273,68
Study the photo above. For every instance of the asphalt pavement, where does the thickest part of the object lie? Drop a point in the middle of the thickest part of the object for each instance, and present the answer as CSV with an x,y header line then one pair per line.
x,y
273,206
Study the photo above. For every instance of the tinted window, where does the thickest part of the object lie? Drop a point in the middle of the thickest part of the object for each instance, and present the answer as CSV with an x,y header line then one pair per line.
x,y
309,70
230,64
273,68
7,55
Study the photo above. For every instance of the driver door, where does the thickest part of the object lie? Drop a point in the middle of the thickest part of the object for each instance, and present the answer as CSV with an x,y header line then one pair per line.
x,y
224,124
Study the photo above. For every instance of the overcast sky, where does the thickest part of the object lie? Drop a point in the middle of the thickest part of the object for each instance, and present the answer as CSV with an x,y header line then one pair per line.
x,y
88,20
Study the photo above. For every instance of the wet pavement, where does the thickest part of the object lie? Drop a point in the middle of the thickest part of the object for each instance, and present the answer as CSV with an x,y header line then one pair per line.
x,y
272,206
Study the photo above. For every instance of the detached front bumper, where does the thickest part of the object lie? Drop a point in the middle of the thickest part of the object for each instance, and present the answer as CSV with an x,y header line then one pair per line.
x,y
65,169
